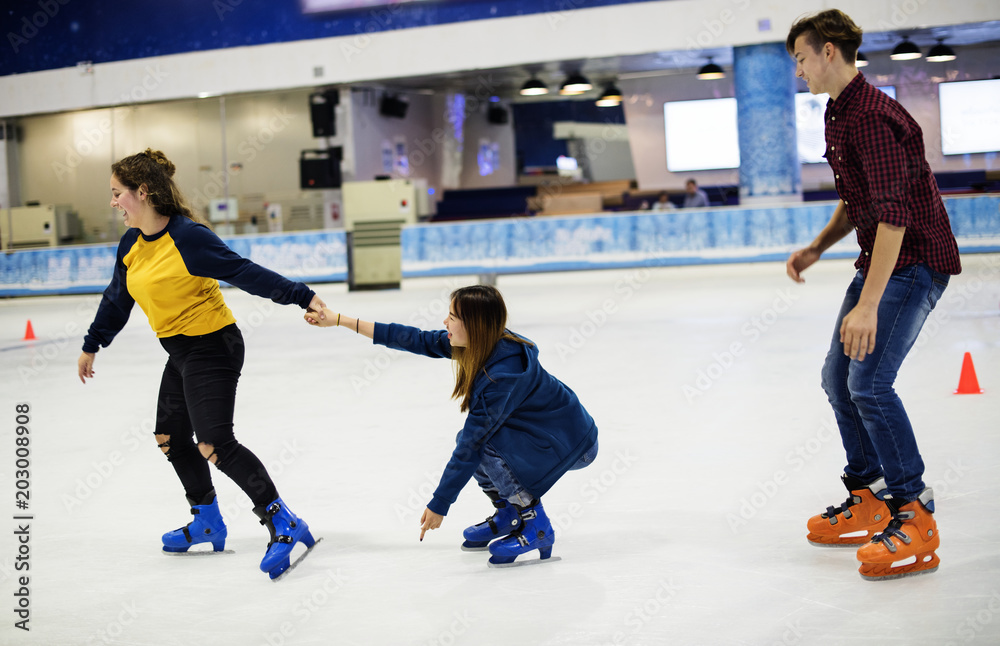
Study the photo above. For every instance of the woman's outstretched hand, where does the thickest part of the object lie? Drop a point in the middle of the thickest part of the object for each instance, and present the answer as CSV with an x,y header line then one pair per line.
x,y
324,317
316,305
429,520
85,366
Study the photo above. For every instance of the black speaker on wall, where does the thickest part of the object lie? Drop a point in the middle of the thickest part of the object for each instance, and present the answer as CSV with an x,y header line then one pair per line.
x,y
391,106
320,168
497,115
321,110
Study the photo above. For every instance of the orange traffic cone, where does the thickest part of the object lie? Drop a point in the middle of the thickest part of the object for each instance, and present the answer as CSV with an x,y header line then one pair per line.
x,y
967,383
29,333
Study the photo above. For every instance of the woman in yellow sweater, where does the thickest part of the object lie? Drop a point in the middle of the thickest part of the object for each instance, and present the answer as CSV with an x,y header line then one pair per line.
x,y
170,265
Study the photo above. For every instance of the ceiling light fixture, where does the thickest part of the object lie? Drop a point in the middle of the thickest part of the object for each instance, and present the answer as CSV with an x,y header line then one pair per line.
x,y
941,53
575,84
905,51
610,97
710,71
861,60
534,87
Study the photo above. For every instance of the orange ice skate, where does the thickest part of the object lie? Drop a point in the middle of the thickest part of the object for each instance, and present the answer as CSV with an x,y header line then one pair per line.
x,y
906,546
854,522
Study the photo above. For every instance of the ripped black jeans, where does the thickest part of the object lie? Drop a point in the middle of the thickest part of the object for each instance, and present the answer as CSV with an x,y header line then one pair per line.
x,y
195,405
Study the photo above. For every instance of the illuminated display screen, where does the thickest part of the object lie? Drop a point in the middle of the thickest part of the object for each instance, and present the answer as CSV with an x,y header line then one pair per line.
x,y
809,127
970,117
701,135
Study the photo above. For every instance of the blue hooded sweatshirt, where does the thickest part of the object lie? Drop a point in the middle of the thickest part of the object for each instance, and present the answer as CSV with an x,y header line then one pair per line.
x,y
533,420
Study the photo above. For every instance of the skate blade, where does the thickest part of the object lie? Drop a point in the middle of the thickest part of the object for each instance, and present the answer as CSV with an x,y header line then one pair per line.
x,y
199,553
484,548
849,541
890,577
551,559
854,545
921,565
297,561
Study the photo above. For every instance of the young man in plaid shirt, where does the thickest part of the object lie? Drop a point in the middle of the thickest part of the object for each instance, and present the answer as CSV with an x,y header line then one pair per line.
x,y
889,197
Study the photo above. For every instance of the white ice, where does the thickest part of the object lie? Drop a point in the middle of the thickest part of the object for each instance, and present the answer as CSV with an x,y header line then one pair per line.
x,y
716,439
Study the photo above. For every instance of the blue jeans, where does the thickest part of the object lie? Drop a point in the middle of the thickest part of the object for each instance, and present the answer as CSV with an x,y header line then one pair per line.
x,y
876,432
493,474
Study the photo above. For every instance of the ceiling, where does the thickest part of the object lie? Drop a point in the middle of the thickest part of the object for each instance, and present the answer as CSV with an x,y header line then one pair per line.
x,y
505,82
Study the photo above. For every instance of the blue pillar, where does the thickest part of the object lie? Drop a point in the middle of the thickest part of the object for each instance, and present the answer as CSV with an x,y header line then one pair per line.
x,y
764,79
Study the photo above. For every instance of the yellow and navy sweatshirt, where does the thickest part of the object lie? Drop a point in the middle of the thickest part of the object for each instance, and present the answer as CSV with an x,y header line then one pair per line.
x,y
174,275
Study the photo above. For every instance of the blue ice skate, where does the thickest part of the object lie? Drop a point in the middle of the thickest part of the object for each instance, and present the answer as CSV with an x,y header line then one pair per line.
x,y
207,527
504,521
286,530
535,534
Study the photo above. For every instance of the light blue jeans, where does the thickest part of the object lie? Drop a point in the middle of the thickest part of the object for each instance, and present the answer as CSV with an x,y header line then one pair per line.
x,y
876,431
493,474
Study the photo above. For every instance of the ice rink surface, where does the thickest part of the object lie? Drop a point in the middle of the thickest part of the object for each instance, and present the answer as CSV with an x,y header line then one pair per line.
x,y
717,443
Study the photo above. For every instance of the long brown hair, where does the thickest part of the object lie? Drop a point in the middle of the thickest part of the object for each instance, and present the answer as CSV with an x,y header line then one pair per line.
x,y
830,26
152,169
484,316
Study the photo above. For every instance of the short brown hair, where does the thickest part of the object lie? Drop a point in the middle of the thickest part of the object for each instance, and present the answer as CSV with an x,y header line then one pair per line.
x,y
830,26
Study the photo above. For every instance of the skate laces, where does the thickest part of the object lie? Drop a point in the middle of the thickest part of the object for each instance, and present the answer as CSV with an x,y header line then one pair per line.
x,y
268,521
523,515
491,520
894,530
492,523
844,508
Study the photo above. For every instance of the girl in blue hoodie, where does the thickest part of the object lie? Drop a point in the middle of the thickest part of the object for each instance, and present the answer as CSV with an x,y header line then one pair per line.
x,y
524,429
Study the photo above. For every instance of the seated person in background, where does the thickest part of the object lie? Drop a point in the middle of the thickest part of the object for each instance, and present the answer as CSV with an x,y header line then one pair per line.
x,y
663,203
695,196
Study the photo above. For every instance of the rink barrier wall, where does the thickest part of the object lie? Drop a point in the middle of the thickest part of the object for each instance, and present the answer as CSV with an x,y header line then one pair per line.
x,y
311,257
521,245
663,238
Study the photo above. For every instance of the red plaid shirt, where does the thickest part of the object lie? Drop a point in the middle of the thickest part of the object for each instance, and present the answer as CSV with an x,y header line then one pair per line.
x,y
876,151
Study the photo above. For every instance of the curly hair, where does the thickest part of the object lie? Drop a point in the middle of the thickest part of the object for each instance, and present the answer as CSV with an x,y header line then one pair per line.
x,y
830,26
152,170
